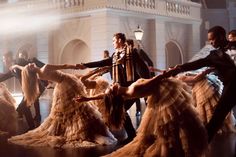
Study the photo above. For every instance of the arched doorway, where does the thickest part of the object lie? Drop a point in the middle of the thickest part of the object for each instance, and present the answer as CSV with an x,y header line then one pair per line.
x,y
174,54
76,51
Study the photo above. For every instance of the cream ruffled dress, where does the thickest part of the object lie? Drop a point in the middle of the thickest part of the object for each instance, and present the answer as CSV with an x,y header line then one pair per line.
x,y
8,115
69,124
170,126
206,93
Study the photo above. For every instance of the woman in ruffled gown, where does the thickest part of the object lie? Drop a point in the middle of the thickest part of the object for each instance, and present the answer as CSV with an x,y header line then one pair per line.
x,y
8,115
69,124
170,126
206,89
99,86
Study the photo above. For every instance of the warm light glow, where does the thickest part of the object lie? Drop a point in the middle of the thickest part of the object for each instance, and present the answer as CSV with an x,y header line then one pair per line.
x,y
138,33
24,18
18,98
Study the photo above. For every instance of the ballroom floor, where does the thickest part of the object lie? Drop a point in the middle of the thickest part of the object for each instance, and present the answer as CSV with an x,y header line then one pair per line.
x,y
223,145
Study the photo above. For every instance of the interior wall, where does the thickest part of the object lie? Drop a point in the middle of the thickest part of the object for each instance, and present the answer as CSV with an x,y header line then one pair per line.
x,y
180,34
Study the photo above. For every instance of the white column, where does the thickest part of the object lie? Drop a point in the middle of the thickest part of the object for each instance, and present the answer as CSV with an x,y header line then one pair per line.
x,y
160,41
195,45
43,47
103,26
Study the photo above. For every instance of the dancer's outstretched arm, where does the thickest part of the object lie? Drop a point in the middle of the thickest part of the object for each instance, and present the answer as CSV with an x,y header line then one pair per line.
x,y
52,67
16,67
91,83
49,67
140,88
144,87
197,77
5,76
152,69
94,97
93,72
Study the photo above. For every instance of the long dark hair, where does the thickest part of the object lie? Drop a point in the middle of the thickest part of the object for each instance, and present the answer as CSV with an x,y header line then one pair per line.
x,y
114,110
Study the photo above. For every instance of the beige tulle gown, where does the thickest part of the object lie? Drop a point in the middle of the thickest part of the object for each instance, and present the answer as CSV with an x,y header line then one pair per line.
x,y
206,93
170,126
8,115
69,124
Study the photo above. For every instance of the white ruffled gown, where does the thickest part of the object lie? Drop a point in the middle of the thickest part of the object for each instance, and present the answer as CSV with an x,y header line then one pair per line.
x,y
69,124
206,93
8,114
170,126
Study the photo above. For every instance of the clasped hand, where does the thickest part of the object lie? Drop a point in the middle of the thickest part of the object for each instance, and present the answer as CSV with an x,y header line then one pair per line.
x,y
80,99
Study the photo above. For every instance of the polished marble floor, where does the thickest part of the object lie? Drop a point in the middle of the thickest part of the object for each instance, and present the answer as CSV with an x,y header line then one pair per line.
x,y
223,145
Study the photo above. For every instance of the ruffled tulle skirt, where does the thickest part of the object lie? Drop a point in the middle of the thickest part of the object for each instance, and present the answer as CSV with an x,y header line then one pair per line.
x,y
170,126
206,97
8,115
69,124
206,94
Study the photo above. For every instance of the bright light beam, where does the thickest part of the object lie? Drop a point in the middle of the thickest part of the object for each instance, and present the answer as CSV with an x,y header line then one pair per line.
x,y
27,18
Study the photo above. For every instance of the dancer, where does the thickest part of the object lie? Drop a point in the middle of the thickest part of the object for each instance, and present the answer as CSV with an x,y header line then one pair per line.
x,y
125,64
232,35
22,108
231,50
170,125
226,71
143,70
106,55
206,91
101,86
8,115
69,124
22,59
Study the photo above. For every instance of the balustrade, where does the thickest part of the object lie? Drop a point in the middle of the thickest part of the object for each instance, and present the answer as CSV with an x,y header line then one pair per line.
x,y
141,3
184,8
173,7
69,3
